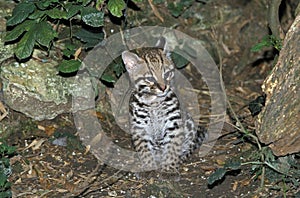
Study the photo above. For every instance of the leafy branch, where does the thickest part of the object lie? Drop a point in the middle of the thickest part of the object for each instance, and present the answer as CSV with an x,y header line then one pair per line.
x,y
268,41
36,24
33,22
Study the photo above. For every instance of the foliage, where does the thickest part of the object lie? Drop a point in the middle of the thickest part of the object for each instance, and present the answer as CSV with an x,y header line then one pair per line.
x,y
6,152
178,60
89,38
268,41
116,7
278,170
69,66
264,164
113,71
32,22
38,24
221,172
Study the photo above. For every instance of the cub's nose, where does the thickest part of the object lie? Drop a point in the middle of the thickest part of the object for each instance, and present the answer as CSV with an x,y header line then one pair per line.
x,y
162,87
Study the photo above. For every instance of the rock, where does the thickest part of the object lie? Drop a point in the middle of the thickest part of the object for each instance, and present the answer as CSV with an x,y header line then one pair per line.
x,y
278,124
6,51
36,89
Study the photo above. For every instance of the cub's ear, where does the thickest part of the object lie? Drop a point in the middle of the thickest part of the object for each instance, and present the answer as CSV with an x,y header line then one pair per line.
x,y
130,60
163,44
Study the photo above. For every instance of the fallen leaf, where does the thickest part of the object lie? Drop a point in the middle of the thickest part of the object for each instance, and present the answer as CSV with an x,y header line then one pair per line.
x,y
3,111
235,185
77,53
220,162
35,144
87,149
49,130
100,116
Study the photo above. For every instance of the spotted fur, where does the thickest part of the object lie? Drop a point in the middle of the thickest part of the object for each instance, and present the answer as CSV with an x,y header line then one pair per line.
x,y
162,133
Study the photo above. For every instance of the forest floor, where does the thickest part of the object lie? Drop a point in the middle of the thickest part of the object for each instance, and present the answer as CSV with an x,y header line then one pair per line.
x,y
42,168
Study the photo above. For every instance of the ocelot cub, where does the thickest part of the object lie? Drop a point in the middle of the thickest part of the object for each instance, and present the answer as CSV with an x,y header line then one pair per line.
x,y
163,133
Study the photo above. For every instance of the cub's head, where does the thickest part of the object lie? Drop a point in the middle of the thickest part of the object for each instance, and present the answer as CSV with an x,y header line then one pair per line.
x,y
151,71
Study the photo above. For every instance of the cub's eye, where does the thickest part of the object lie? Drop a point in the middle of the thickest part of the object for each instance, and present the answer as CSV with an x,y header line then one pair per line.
x,y
168,75
151,79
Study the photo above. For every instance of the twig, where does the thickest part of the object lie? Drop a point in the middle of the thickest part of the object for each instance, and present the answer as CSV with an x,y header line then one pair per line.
x,y
273,19
242,128
88,181
155,11
104,182
267,164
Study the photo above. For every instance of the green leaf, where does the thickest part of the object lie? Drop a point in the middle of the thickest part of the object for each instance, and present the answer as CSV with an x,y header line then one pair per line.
x,y
36,32
3,179
267,41
187,3
44,4
176,10
233,165
86,2
217,175
70,50
44,33
70,46
26,44
276,42
91,39
178,60
115,7
5,160
37,14
118,69
99,3
69,66
68,53
10,150
92,17
20,13
259,46
5,149
108,78
56,13
269,156
72,10
18,30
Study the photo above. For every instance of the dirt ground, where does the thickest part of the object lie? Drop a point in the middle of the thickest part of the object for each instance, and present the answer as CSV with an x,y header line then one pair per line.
x,y
52,162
